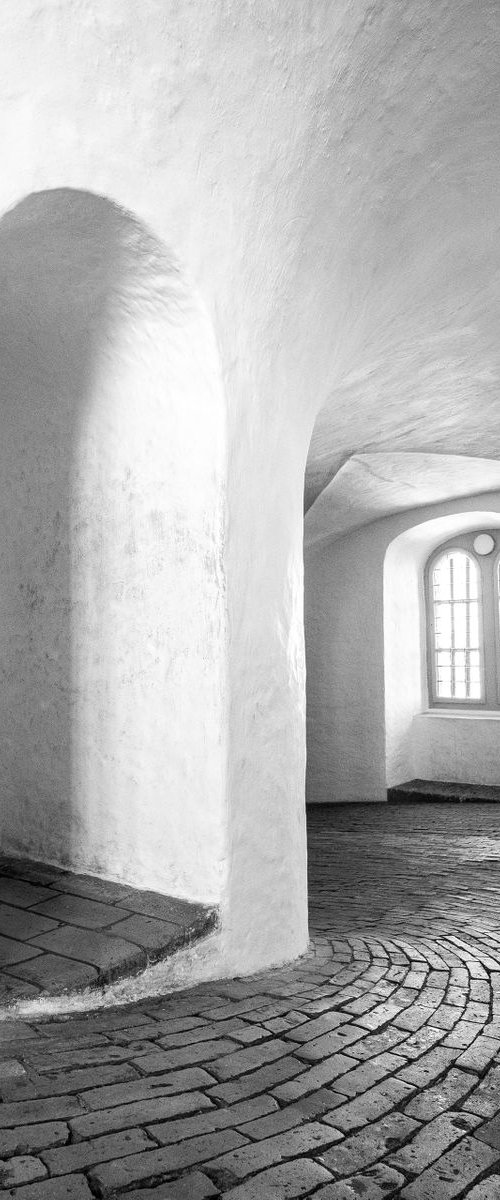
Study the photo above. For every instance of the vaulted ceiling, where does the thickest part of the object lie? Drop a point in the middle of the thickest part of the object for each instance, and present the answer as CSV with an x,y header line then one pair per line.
x,y
416,367
371,486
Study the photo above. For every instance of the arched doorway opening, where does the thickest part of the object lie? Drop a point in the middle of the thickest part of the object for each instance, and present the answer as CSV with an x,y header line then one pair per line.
x,y
424,741
363,594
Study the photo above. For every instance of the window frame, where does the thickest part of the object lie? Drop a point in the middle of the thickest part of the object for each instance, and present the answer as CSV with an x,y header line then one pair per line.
x,y
488,568
496,603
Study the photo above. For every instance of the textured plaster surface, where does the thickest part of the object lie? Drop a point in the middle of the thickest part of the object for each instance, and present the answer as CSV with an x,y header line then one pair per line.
x,y
329,176
461,749
200,120
364,637
371,486
345,694
413,186
113,612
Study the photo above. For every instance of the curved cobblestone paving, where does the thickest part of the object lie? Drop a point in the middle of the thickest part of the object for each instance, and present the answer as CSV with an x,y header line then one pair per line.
x,y
369,1069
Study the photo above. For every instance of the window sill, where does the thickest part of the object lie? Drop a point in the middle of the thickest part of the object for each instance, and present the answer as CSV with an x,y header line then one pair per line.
x,y
464,714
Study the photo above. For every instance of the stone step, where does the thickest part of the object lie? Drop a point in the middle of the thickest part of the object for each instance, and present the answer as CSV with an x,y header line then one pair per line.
x,y
64,933
435,791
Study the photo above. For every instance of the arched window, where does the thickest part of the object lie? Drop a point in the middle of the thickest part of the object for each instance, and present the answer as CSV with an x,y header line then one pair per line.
x,y
463,610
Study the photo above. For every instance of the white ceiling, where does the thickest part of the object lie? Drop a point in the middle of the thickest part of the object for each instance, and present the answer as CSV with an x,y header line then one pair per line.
x,y
371,486
409,228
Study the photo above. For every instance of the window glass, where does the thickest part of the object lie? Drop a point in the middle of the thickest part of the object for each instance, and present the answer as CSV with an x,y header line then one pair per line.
x,y
455,597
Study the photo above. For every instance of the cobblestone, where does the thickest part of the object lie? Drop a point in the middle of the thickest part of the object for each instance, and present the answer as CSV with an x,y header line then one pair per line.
x,y
125,1116
194,1186
372,1104
288,1180
374,1142
83,1154
375,1183
71,1187
151,1164
28,1139
452,1173
430,1143
371,1067
21,1169
252,1158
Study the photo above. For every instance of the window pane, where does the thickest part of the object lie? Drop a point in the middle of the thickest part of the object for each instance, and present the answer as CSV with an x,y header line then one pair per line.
x,y
458,576
474,625
444,684
460,615
463,576
455,586
443,625
441,579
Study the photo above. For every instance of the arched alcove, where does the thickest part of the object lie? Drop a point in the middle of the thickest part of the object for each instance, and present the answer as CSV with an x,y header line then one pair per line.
x,y
364,637
460,747
112,611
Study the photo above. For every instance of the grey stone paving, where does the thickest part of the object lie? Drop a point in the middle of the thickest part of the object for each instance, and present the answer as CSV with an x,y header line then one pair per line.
x,y
60,932
370,1068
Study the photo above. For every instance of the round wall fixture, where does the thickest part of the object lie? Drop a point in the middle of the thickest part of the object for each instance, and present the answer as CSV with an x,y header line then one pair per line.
x,y
483,543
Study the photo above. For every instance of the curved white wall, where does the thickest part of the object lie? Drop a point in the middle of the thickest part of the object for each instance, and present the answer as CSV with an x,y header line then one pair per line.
x,y
267,846
459,748
116,715
196,120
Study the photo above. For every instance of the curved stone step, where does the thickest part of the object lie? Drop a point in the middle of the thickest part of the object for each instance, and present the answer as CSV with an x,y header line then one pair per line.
x,y
428,791
61,932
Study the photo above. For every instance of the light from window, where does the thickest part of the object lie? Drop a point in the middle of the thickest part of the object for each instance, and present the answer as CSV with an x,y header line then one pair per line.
x,y
455,593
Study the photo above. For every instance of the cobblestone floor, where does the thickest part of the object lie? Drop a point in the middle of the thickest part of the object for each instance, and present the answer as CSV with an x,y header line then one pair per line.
x,y
371,1068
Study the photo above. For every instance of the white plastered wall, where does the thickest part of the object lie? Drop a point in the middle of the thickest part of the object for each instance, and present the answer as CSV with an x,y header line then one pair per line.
x,y
365,730
113,707
344,656
196,121
328,173
267,734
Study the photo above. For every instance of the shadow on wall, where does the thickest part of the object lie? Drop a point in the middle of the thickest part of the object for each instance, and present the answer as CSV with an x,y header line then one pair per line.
x,y
111,597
